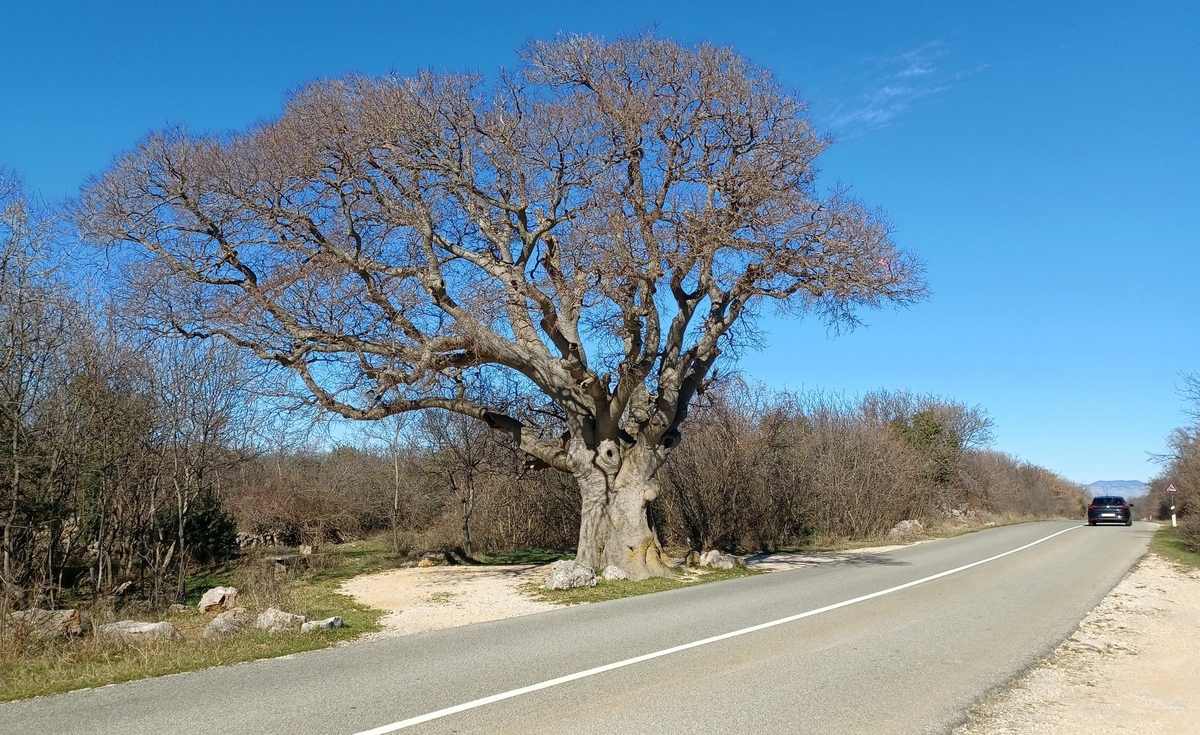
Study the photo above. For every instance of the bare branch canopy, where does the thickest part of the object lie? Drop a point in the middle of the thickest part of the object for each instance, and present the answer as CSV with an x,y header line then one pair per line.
x,y
598,223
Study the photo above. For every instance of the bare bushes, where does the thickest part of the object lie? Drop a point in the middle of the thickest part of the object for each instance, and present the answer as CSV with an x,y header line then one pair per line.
x,y
756,471
761,471
112,446
863,479
1181,466
309,497
423,496
1006,486
527,510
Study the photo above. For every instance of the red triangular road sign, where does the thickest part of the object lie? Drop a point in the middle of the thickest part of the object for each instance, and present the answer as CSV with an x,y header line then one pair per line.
x,y
1171,488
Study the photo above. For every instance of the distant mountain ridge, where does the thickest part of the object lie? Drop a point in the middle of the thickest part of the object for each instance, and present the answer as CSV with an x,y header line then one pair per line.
x,y
1128,488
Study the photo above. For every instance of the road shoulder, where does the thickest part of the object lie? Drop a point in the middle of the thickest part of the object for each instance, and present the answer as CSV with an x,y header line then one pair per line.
x,y
418,600
1129,668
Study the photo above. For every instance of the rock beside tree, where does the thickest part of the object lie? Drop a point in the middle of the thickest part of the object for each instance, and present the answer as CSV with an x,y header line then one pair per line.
x,y
613,573
714,559
565,575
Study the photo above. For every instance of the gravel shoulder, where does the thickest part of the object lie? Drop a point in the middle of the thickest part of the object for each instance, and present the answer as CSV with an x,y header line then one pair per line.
x,y
1129,668
417,600
421,599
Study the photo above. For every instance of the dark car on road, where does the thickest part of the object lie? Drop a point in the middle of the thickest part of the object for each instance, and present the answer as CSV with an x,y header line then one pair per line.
x,y
1109,509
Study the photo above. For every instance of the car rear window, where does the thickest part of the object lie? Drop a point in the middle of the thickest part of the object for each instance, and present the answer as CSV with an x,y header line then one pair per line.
x,y
1109,501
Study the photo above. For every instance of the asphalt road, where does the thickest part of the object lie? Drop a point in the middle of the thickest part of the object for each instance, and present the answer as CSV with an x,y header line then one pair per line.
x,y
913,660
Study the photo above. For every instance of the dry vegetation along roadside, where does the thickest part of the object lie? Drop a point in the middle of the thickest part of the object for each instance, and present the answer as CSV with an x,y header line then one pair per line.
x,y
350,580
31,667
360,582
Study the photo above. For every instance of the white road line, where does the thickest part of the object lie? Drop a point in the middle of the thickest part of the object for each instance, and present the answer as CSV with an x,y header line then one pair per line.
x,y
676,649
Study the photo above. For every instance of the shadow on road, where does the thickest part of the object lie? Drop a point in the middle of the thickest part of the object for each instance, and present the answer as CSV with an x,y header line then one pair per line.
x,y
795,560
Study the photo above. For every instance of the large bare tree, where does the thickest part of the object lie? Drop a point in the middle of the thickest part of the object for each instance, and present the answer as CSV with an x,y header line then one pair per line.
x,y
601,222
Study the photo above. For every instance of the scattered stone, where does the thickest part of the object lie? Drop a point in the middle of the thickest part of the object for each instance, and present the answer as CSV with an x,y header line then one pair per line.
x,y
240,614
714,559
437,559
326,624
290,561
270,538
46,624
218,598
612,573
565,575
175,608
133,630
692,559
962,516
222,626
905,529
122,588
274,620
306,549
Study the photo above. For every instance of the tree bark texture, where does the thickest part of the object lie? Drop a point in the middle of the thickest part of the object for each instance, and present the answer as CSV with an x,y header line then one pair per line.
x,y
614,529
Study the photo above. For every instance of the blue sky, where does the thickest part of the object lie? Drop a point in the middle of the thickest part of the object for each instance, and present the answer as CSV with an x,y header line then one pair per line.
x,y
1040,157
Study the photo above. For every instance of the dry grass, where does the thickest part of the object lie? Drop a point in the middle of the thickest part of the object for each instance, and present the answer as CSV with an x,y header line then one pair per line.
x,y
30,667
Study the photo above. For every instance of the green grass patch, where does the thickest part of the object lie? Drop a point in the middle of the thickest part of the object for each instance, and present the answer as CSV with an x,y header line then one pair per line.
x,y
616,589
524,556
1170,543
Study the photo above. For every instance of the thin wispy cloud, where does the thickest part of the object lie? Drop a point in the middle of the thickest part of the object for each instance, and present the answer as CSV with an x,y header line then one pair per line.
x,y
889,86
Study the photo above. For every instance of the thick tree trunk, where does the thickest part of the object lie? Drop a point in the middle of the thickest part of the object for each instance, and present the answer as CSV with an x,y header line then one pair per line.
x,y
613,526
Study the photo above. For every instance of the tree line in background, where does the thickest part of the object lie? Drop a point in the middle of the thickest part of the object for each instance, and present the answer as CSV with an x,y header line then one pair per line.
x,y
113,446
1181,466
760,471
129,458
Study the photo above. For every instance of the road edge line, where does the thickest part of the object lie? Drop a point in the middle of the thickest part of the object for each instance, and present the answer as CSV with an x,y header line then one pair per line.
x,y
476,703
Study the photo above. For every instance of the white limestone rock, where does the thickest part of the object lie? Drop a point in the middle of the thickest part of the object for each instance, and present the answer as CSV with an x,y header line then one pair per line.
x,y
326,624
274,620
137,631
46,624
612,572
565,575
218,598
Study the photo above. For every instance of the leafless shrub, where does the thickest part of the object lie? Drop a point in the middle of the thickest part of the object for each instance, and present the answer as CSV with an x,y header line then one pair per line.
x,y
767,470
1181,462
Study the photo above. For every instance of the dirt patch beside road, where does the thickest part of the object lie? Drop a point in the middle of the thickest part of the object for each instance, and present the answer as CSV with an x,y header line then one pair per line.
x,y
422,599
1130,668
417,600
